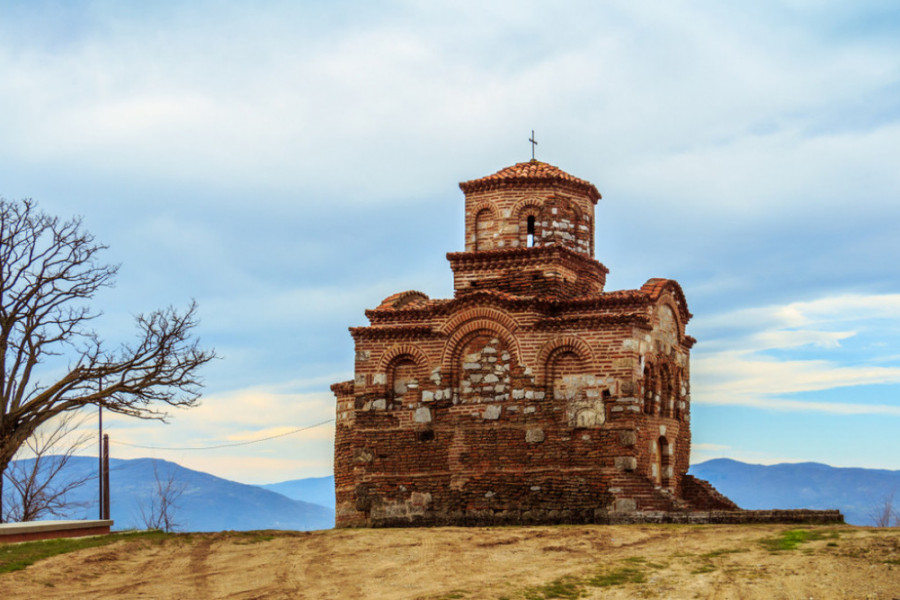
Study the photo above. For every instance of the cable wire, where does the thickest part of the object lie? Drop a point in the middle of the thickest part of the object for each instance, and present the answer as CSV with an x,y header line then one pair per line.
x,y
247,443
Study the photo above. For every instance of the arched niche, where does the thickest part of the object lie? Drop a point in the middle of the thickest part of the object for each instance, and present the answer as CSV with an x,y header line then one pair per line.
x,y
485,227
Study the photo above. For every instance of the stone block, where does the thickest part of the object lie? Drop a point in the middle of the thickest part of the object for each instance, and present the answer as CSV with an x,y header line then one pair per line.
x,y
379,404
625,505
534,436
427,396
492,412
625,463
379,378
627,438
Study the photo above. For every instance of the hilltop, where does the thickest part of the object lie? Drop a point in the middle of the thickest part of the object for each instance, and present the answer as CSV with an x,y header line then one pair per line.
x,y
512,563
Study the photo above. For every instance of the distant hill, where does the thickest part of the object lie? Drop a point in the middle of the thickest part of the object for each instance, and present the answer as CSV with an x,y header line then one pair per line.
x,y
210,503
856,492
207,503
318,490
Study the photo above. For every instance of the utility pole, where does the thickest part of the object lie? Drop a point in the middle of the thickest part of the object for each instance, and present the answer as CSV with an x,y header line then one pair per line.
x,y
105,476
100,464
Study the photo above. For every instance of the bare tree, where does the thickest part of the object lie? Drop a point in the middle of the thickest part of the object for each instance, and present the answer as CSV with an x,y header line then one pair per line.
x,y
36,485
158,511
49,270
884,514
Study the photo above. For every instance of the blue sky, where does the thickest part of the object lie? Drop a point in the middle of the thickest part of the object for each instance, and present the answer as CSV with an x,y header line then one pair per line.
x,y
290,164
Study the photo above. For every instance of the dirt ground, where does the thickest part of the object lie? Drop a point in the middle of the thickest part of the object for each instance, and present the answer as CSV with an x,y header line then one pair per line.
x,y
651,561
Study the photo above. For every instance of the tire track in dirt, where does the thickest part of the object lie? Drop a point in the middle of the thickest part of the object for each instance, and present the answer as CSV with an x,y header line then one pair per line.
x,y
199,568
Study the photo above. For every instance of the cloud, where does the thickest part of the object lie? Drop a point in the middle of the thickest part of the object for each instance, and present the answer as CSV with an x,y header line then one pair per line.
x,y
204,437
292,164
737,366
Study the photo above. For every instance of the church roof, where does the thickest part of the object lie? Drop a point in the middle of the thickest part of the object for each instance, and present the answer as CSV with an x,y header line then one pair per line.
x,y
533,171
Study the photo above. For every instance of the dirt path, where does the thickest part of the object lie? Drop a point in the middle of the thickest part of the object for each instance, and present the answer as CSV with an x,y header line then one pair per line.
x,y
708,562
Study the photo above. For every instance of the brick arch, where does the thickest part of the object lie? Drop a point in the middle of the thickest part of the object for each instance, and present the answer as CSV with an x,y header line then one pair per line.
x,y
398,351
477,208
518,207
469,329
657,288
501,318
567,343
404,299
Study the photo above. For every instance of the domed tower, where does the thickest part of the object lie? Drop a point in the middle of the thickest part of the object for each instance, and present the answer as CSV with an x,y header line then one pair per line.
x,y
531,396
529,231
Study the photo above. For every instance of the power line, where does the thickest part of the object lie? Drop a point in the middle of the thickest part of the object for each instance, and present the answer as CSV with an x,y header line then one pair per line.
x,y
231,445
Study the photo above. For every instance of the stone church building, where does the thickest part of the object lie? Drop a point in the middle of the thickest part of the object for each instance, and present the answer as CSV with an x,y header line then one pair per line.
x,y
533,395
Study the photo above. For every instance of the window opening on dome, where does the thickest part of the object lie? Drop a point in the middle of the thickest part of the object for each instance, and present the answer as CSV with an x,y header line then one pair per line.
x,y
530,242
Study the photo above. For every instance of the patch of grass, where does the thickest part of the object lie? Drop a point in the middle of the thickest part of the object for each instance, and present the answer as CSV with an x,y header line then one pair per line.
x,y
617,577
571,587
14,557
892,561
565,587
707,568
454,595
790,539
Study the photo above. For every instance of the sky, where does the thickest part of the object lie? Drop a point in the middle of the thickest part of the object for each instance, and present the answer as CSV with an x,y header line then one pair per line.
x,y
290,164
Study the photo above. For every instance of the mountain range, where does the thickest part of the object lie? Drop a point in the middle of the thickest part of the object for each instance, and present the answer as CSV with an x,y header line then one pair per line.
x,y
205,503
210,503
858,493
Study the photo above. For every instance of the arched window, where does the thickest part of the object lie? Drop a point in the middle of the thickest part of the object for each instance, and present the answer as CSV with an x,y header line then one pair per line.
x,y
663,462
650,390
666,394
676,397
529,226
403,380
484,229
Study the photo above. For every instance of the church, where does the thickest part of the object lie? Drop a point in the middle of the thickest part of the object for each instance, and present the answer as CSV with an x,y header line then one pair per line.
x,y
533,395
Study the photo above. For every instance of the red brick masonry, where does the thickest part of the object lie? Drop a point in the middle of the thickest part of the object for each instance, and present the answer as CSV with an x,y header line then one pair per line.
x,y
531,396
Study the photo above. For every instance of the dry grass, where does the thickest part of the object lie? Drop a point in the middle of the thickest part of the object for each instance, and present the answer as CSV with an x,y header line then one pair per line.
x,y
511,563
